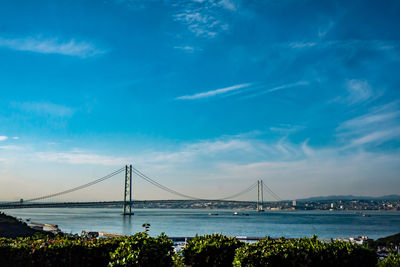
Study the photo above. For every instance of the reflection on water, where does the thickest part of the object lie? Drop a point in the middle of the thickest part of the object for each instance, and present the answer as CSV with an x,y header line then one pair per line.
x,y
127,224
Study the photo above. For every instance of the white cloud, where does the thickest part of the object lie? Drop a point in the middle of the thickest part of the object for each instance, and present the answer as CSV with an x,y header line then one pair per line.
x,y
308,171
45,108
82,158
346,48
285,86
15,137
359,91
51,46
369,119
200,24
205,18
302,44
189,152
277,88
322,173
349,43
3,137
11,147
214,92
322,31
377,137
227,4
285,128
187,48
198,168
379,125
248,90
194,152
306,149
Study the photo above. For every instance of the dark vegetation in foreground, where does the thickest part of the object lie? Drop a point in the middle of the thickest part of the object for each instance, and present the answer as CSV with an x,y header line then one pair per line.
x,y
12,227
389,241
209,250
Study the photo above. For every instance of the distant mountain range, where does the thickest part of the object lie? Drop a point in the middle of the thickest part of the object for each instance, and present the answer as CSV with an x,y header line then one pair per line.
x,y
351,197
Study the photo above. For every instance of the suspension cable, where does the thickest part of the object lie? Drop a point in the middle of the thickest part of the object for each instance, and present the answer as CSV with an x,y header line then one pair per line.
x,y
272,193
78,187
149,180
254,185
153,182
157,184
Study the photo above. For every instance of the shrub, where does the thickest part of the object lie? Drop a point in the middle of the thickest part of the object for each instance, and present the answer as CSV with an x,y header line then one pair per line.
x,y
389,241
178,259
211,250
393,260
59,251
303,252
143,250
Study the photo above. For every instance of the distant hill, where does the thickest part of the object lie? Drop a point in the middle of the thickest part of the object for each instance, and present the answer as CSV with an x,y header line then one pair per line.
x,y
350,197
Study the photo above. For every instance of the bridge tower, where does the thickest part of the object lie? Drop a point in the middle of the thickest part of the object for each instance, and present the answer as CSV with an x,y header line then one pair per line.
x,y
127,209
260,196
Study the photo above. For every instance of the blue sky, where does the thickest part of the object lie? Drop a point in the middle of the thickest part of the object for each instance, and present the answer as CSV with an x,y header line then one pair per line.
x,y
204,96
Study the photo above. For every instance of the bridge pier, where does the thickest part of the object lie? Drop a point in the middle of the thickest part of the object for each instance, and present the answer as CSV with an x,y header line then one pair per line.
x,y
260,198
127,208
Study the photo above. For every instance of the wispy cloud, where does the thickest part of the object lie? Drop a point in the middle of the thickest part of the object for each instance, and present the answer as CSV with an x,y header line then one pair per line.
x,y
370,120
188,48
377,45
323,30
285,86
51,46
245,159
359,91
11,147
279,163
205,18
228,4
3,137
377,137
376,127
277,88
45,108
302,44
81,157
212,93
286,129
247,90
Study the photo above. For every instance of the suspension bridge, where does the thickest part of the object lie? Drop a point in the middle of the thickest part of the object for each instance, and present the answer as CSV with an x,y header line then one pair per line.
x,y
127,203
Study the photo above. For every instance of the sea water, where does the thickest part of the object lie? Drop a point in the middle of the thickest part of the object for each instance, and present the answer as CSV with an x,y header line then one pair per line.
x,y
189,222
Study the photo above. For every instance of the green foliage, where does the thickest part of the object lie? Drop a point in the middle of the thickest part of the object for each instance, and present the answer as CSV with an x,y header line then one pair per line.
x,y
389,241
143,250
393,260
303,252
59,251
178,259
210,250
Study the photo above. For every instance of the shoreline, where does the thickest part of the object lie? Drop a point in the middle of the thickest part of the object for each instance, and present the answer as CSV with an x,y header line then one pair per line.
x,y
196,208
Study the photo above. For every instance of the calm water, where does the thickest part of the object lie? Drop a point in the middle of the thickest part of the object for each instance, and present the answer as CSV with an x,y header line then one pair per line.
x,y
181,222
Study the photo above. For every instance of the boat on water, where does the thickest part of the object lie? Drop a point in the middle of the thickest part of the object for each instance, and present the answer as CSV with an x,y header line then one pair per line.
x,y
240,214
213,214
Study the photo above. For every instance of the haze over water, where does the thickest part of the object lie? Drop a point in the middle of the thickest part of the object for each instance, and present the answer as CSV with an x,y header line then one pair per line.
x,y
186,223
